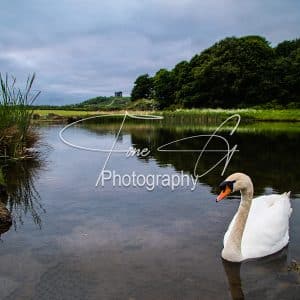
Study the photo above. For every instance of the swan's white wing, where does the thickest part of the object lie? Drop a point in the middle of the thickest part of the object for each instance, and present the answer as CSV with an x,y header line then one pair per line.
x,y
267,226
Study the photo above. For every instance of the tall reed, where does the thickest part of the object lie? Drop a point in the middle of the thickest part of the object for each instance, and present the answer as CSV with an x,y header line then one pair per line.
x,y
16,134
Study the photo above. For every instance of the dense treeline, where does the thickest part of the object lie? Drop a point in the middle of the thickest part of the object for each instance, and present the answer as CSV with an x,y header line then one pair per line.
x,y
235,72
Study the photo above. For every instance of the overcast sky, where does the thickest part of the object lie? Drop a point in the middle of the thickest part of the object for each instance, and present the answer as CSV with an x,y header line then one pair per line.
x,y
82,49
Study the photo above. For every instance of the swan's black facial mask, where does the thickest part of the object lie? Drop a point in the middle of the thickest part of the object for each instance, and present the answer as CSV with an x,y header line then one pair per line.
x,y
226,188
227,183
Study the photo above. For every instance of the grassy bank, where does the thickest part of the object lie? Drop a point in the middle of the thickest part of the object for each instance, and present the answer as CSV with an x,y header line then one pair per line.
x,y
66,113
290,115
194,115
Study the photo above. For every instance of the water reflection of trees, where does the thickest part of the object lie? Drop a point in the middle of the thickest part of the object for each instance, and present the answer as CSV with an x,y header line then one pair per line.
x,y
22,198
269,157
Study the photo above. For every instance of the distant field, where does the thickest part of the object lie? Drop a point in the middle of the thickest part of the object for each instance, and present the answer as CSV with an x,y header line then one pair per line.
x,y
65,113
290,115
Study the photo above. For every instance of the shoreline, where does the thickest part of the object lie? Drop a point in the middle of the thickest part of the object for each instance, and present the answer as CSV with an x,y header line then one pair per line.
x,y
182,115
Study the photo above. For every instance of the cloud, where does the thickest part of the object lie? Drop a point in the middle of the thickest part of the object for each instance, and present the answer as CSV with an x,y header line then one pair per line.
x,y
81,49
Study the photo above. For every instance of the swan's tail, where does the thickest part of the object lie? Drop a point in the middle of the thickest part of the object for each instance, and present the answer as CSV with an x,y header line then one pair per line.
x,y
288,195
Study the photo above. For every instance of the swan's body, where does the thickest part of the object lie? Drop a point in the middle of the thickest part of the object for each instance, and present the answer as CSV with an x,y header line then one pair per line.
x,y
261,225
267,227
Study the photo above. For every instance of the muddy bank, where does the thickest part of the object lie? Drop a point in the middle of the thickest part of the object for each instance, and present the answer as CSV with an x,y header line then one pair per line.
x,y
5,215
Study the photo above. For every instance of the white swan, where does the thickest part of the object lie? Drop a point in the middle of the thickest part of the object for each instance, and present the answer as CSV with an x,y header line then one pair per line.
x,y
261,225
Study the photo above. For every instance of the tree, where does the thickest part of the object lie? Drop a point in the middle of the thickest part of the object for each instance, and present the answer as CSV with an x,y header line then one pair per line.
x,y
164,87
285,48
234,72
182,77
287,72
143,86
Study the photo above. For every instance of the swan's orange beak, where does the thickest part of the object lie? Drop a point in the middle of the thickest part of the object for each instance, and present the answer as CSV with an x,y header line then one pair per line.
x,y
224,193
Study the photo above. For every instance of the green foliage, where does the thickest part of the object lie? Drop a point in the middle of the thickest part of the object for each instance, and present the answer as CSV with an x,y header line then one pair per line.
x,y
287,72
163,84
143,105
234,72
142,89
286,48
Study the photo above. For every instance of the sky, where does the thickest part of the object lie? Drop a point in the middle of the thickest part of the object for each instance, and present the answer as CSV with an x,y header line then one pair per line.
x,y
83,49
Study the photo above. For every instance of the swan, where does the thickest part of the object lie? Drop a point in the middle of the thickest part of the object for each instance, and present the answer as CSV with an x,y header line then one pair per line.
x,y
260,226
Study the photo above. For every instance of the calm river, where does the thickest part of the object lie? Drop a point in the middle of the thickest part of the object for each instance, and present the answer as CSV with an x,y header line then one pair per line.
x,y
72,240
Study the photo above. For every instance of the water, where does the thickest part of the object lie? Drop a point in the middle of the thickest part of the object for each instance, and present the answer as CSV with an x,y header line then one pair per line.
x,y
72,240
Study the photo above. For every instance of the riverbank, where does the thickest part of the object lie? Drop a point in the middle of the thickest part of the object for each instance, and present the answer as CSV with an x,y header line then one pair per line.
x,y
181,116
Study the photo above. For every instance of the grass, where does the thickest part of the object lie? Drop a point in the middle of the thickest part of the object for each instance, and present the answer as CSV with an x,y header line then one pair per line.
x,y
16,133
196,115
290,115
65,113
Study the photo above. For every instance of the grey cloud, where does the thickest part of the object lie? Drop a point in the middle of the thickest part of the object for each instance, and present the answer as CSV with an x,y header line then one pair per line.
x,y
81,49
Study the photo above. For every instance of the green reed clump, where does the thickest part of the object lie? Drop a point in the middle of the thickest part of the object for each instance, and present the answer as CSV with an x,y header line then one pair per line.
x,y
16,133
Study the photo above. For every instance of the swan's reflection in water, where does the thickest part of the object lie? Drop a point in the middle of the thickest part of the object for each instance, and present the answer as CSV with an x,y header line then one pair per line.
x,y
262,278
233,271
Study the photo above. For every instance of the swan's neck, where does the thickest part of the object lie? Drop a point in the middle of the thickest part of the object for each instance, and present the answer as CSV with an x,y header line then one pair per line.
x,y
232,248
